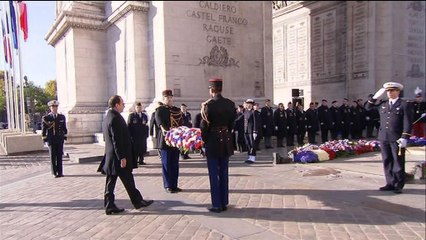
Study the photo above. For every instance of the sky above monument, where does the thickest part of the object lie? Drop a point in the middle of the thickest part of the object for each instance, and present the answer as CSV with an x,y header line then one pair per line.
x,y
38,58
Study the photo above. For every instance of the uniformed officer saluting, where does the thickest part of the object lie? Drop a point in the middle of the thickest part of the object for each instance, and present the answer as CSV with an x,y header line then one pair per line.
x,y
54,133
395,128
218,116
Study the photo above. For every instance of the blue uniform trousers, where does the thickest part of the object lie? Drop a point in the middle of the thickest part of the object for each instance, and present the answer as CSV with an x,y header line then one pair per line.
x,y
56,150
393,165
170,162
218,175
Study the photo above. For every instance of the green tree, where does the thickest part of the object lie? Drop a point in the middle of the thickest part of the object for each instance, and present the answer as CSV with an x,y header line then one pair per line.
x,y
2,92
50,89
37,95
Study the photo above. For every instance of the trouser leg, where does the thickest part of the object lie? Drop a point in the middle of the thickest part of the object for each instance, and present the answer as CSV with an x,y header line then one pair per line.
x,y
109,197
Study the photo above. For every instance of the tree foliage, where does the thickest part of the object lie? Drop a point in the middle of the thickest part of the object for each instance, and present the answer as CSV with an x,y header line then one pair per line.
x,y
50,89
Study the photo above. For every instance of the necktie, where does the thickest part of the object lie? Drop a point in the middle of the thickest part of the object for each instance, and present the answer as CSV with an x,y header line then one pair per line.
x,y
390,104
54,116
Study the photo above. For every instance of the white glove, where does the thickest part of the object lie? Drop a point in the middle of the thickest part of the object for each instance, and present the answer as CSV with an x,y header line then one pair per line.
x,y
254,135
264,126
402,142
379,93
276,128
423,114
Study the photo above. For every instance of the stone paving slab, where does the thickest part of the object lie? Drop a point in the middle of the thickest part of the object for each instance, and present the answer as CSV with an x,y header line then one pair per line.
x,y
266,202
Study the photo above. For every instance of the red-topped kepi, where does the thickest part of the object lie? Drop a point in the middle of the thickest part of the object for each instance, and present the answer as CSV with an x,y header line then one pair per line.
x,y
215,83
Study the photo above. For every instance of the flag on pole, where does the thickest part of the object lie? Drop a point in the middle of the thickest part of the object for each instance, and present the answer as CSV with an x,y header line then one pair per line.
x,y
13,24
23,18
3,31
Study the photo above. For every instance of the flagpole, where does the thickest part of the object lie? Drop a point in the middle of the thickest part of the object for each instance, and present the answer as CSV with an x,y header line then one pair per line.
x,y
18,29
6,74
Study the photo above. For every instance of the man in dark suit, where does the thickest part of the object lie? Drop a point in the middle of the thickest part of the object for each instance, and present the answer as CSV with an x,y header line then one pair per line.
x,y
280,121
345,115
291,124
267,119
54,133
216,131
168,116
336,121
395,128
154,131
118,159
137,123
324,117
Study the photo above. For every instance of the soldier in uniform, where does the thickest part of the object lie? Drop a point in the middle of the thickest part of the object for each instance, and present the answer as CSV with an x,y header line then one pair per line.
x,y
362,119
218,114
395,128
239,130
154,131
54,133
137,123
325,121
291,124
280,121
345,115
355,121
267,118
419,108
312,123
168,116
258,117
187,122
251,128
301,124
336,121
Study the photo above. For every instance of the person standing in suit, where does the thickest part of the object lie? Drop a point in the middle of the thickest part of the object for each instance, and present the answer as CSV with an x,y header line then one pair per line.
x,y
54,133
154,131
137,123
324,117
251,128
168,116
395,128
218,115
291,124
301,124
345,115
118,160
336,121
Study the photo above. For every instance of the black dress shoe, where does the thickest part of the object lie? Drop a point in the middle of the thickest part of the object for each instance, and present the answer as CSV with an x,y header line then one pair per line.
x,y
178,189
142,163
215,209
144,203
224,208
110,211
249,162
387,188
397,190
169,190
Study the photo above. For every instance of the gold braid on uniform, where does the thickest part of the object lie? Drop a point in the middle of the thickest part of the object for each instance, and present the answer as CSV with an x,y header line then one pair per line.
x,y
203,111
175,117
50,125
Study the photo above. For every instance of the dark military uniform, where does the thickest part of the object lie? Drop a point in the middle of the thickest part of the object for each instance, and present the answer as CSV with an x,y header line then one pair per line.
x,y
395,123
280,121
355,123
312,125
216,130
325,121
168,117
336,122
267,119
54,133
138,128
419,108
187,122
301,126
239,132
345,115
291,126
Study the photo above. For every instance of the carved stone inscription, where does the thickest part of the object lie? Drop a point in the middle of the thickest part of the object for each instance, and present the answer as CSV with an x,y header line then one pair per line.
x,y
415,42
296,51
360,40
323,46
218,20
279,60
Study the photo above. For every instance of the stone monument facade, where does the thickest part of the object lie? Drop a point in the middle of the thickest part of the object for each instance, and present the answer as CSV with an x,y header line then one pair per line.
x,y
138,48
337,49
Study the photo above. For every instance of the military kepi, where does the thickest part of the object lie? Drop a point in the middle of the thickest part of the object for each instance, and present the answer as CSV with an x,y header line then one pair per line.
x,y
167,93
393,85
52,103
215,83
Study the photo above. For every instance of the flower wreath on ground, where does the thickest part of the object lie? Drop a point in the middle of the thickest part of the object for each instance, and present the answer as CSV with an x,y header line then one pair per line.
x,y
185,138
329,150
416,141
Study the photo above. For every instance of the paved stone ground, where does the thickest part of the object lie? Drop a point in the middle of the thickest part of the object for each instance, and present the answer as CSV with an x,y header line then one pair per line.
x,y
337,199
